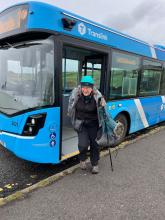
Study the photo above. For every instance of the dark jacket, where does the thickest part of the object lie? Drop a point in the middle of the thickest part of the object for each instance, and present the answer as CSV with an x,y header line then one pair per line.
x,y
75,94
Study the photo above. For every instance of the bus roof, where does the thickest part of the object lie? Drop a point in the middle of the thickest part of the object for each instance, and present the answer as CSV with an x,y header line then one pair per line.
x,y
46,17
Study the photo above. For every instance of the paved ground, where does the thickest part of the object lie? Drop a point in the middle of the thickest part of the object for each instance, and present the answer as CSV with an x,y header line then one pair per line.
x,y
135,190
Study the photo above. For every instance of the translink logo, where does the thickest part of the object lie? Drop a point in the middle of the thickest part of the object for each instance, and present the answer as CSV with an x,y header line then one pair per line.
x,y
82,29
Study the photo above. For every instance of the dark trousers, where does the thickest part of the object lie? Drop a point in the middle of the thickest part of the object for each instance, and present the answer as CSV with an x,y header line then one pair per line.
x,y
87,138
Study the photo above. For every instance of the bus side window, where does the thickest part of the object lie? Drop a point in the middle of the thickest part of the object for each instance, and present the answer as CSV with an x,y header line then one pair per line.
x,y
124,75
162,86
150,78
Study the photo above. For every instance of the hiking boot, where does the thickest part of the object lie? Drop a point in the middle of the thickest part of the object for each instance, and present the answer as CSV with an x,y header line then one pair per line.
x,y
83,165
95,169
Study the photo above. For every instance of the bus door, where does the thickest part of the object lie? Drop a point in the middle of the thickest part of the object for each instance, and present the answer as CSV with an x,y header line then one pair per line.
x,y
76,63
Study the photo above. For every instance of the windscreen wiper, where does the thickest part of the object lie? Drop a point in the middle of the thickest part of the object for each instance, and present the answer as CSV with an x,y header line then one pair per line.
x,y
26,45
17,46
6,46
8,108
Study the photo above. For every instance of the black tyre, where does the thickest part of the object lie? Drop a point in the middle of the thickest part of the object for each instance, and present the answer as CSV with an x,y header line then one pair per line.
x,y
123,120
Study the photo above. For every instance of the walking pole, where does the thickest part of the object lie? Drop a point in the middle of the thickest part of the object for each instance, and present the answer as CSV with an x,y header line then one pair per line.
x,y
104,116
110,159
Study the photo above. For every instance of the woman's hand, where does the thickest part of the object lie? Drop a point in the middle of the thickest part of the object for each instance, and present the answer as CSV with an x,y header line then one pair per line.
x,y
103,102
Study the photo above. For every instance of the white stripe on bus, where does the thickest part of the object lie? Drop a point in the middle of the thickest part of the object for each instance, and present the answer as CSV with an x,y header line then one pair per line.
x,y
15,135
141,112
153,52
163,98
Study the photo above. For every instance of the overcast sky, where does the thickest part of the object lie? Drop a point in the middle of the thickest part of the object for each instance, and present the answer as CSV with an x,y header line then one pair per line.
x,y
143,19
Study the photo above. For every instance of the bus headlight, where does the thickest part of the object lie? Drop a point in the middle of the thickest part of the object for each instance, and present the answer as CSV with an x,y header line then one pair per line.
x,y
33,121
33,124
30,129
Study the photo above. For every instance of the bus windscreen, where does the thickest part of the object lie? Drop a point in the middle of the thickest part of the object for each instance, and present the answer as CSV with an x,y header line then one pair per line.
x,y
26,75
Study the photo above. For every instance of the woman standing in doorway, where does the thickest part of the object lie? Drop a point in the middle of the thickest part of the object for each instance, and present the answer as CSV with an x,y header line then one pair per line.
x,y
83,110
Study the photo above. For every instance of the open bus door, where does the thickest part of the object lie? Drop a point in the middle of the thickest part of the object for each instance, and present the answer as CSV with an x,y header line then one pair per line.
x,y
77,63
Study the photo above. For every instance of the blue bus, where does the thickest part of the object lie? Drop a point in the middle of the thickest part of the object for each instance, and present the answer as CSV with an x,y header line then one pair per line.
x,y
44,51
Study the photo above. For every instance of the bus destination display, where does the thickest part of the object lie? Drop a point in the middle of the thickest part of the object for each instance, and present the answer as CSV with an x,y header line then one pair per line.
x,y
13,19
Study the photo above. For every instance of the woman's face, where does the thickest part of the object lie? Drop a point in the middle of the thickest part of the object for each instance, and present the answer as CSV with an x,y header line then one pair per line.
x,y
86,90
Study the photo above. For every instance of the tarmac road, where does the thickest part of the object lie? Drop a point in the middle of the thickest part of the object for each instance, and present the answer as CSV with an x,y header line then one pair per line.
x,y
16,174
135,190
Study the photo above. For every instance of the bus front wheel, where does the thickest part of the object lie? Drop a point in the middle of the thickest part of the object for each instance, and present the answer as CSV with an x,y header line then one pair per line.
x,y
123,120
